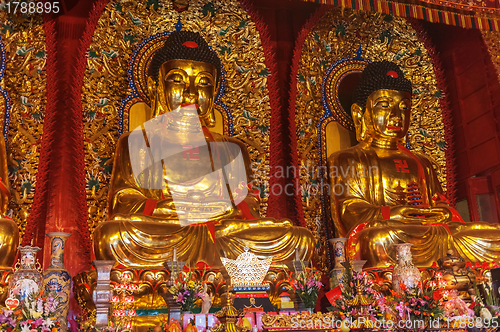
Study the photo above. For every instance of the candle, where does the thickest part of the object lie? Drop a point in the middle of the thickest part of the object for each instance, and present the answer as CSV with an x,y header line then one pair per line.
x,y
175,255
296,255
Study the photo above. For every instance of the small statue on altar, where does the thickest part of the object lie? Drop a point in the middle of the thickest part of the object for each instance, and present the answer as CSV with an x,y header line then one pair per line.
x,y
206,300
453,271
26,87
176,184
383,194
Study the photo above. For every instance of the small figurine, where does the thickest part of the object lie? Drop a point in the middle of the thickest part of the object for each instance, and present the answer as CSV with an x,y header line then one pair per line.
x,y
455,273
206,299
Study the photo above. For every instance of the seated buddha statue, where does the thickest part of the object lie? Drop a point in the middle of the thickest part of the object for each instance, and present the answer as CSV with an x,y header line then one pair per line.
x,y
177,185
382,194
9,232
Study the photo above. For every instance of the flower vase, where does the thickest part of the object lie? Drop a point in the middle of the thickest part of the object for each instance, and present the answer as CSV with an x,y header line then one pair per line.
x,y
336,277
56,278
404,271
311,310
339,251
26,278
339,254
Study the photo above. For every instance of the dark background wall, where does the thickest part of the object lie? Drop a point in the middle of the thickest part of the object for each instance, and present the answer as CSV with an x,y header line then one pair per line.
x,y
474,95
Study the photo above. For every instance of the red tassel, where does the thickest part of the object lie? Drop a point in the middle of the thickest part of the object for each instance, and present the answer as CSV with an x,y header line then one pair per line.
x,y
35,224
75,103
277,204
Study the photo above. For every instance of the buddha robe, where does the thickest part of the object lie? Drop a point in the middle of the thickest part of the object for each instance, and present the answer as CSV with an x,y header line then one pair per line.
x,y
9,232
144,224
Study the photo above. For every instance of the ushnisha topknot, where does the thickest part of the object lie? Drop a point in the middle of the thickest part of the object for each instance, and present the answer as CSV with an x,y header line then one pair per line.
x,y
184,45
377,76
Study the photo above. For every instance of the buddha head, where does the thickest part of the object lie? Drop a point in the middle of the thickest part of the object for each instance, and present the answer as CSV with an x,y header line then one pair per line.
x,y
382,103
185,71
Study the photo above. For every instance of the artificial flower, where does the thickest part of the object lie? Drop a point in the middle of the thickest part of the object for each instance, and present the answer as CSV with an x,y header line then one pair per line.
x,y
31,314
415,304
48,322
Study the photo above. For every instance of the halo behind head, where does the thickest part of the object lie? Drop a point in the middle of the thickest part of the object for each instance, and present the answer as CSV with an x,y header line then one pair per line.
x,y
184,45
377,76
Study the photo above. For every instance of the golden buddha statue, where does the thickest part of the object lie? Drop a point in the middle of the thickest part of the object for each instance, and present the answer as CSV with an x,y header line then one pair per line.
x,y
9,233
382,194
176,184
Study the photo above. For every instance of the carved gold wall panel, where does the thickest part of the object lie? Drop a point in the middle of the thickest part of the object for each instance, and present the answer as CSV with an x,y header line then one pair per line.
x,y
340,42
126,31
492,41
22,109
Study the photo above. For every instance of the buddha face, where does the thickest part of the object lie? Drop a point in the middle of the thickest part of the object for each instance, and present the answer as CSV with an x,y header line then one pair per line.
x,y
387,115
182,82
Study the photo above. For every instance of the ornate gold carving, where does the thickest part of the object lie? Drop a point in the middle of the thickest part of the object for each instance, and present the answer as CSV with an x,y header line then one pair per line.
x,y
23,89
123,26
338,35
152,283
492,41
280,322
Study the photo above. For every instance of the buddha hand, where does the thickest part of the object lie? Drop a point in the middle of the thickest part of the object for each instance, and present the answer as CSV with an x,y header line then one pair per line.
x,y
420,215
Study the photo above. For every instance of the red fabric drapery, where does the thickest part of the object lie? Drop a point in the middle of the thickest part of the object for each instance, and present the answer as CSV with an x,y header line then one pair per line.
x,y
60,198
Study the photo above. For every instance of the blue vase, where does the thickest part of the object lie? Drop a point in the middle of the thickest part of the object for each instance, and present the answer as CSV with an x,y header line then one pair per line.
x,y
56,278
339,250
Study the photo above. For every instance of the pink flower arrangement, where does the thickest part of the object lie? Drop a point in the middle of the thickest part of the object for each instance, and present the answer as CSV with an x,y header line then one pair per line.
x,y
307,286
457,307
187,290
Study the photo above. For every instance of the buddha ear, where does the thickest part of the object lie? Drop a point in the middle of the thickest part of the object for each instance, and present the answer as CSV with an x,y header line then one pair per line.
x,y
217,87
209,118
359,123
151,88
156,96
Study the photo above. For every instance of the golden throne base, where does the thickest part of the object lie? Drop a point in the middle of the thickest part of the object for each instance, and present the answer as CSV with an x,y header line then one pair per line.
x,y
152,283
